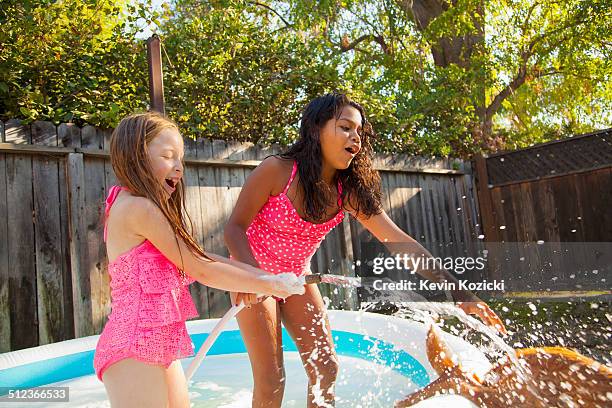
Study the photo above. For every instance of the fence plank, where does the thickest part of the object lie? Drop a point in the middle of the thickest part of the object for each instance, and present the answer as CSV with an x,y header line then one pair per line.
x,y
414,209
465,219
410,199
427,214
194,210
5,299
604,200
22,267
469,201
79,250
454,215
399,199
525,205
485,202
441,216
67,302
209,210
44,133
218,301
105,135
16,133
97,261
547,226
597,185
68,135
48,241
91,138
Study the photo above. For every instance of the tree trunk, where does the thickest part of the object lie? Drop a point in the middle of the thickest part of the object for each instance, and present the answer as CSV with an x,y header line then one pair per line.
x,y
457,50
449,50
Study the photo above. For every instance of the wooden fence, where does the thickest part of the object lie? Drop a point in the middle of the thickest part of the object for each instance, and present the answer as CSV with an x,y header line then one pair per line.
x,y
54,283
556,192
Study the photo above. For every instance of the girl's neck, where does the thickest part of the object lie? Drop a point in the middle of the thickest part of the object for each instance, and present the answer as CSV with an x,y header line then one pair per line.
x,y
328,174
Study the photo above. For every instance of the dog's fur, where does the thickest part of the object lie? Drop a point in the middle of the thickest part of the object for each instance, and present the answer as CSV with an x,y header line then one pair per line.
x,y
558,378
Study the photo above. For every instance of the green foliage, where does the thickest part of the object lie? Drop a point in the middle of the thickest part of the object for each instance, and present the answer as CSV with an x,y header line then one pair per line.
x,y
70,60
230,76
565,48
494,74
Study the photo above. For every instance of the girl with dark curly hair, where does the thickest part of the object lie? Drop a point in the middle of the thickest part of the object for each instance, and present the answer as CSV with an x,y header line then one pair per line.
x,y
285,209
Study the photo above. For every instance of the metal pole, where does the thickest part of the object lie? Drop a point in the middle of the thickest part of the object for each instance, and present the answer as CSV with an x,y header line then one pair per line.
x,y
156,80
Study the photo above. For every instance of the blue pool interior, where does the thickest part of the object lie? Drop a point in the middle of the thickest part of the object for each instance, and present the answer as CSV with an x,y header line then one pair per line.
x,y
348,344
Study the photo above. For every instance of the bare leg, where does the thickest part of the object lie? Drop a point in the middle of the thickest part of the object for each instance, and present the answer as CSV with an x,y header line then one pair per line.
x,y
132,383
178,395
306,321
261,331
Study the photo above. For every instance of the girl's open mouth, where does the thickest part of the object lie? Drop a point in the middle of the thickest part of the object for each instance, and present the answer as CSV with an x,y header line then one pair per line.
x,y
353,149
172,183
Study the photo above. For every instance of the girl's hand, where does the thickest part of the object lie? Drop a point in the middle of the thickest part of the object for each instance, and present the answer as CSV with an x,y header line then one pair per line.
x,y
247,298
482,310
283,285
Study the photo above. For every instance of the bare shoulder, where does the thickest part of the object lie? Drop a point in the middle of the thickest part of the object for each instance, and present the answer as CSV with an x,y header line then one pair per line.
x,y
274,173
276,164
128,223
135,210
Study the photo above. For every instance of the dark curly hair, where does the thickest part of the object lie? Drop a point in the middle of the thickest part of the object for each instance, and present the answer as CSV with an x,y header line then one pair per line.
x,y
360,182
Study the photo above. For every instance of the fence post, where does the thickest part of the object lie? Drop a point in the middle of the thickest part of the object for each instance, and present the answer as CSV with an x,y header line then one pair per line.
x,y
79,252
156,80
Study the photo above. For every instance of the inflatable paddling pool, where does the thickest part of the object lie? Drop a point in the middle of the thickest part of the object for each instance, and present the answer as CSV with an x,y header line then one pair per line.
x,y
382,358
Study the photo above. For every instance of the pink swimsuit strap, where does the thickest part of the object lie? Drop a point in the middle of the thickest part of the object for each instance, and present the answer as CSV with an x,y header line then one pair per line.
x,y
112,195
294,172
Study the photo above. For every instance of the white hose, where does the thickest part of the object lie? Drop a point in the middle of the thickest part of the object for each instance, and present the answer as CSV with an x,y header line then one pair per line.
x,y
210,340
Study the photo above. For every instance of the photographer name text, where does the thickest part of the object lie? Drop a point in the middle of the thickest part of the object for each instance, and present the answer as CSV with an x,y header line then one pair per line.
x,y
380,284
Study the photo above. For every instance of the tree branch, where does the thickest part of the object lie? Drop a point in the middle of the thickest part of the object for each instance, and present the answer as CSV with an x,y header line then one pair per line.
x,y
544,36
256,3
516,82
345,45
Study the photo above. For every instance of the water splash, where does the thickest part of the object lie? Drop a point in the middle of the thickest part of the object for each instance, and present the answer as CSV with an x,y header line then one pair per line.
x,y
448,309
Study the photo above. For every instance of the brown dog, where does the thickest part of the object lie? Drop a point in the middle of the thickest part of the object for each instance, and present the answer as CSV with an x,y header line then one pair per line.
x,y
558,378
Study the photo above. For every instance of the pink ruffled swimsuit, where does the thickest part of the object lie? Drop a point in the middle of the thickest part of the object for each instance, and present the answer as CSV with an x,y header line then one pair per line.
x,y
150,304
280,240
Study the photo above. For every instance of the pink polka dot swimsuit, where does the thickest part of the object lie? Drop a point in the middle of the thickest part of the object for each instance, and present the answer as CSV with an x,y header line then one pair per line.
x,y
280,240
150,303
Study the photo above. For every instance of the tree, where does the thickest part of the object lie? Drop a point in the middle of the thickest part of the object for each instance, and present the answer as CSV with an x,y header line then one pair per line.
x,y
461,72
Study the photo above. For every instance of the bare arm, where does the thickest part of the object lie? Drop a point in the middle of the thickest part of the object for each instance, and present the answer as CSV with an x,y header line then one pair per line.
x,y
385,230
261,183
396,240
147,220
